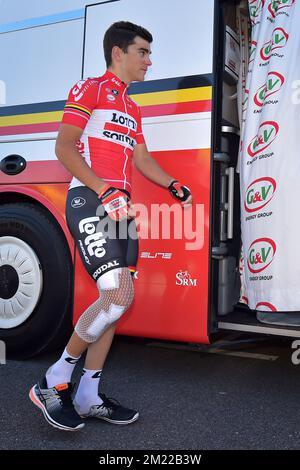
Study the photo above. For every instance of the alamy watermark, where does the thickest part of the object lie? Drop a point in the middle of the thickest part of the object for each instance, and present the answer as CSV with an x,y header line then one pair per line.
x,y
295,358
158,222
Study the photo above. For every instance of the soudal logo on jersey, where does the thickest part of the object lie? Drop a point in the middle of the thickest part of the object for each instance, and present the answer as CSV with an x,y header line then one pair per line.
x,y
123,120
273,84
267,133
278,41
276,5
119,138
110,265
255,8
261,254
259,193
265,307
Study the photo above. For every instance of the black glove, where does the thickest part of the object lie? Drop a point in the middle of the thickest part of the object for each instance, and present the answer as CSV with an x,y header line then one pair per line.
x,y
175,186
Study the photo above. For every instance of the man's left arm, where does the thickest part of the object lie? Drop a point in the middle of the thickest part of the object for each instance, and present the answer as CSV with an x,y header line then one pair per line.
x,y
152,170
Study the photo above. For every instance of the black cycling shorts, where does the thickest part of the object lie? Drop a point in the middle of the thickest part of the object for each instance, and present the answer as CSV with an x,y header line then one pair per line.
x,y
102,243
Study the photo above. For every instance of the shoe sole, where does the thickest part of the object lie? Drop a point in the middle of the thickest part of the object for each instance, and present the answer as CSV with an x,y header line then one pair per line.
x,y
35,400
113,421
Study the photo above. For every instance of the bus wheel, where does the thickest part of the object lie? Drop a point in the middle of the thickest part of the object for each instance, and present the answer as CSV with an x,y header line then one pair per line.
x,y
35,281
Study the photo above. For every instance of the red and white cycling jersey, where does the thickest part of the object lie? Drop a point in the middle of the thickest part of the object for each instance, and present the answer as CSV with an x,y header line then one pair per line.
x,y
112,127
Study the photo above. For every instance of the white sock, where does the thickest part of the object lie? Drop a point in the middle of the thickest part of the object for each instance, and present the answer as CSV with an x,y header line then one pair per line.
x,y
61,371
87,393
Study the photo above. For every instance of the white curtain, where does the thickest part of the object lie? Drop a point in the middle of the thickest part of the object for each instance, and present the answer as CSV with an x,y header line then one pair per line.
x,y
270,162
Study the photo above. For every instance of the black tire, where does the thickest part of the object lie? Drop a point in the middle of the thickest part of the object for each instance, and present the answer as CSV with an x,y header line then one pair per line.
x,y
50,322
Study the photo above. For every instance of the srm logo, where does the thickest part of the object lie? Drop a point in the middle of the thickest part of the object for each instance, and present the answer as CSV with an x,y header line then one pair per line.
x,y
183,278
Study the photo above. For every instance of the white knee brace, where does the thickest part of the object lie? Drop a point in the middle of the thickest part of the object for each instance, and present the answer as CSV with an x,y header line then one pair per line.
x,y
116,295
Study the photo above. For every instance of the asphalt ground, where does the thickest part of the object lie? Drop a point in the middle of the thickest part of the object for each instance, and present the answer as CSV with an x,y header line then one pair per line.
x,y
243,395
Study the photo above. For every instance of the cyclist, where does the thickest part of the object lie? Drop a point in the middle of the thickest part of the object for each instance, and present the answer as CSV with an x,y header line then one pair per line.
x,y
100,135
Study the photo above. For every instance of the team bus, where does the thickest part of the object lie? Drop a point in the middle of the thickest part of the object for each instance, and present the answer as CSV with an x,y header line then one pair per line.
x,y
189,283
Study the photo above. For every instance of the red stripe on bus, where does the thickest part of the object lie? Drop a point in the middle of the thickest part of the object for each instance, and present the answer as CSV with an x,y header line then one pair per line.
x,y
147,111
30,128
176,108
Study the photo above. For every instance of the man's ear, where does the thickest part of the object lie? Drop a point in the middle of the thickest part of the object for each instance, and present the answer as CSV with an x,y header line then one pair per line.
x,y
116,54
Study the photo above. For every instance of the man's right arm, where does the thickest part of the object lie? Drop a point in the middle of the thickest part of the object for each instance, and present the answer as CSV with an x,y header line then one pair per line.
x,y
68,154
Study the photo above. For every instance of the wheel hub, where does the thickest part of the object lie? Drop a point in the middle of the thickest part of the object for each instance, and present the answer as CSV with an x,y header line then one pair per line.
x,y
21,281
9,281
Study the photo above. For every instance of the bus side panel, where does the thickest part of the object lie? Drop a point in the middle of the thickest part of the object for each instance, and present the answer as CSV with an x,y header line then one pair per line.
x,y
171,284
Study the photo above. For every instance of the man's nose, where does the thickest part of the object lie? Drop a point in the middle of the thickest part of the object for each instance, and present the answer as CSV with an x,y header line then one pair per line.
x,y
148,61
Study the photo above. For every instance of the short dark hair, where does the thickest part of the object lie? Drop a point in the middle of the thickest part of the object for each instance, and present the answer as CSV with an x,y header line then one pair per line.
x,y
122,34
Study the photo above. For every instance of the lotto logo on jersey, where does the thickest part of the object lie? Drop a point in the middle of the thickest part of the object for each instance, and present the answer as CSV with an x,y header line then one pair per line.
x,y
94,240
125,120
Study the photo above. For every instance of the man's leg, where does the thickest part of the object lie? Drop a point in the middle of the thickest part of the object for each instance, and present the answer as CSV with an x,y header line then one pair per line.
x,y
97,351
116,295
87,393
61,371
76,346
96,324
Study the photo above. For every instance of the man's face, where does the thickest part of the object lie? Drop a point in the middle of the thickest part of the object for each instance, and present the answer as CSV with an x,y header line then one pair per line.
x,y
136,60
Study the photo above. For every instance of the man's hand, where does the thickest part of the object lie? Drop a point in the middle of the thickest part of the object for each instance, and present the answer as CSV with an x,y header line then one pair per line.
x,y
181,192
116,203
